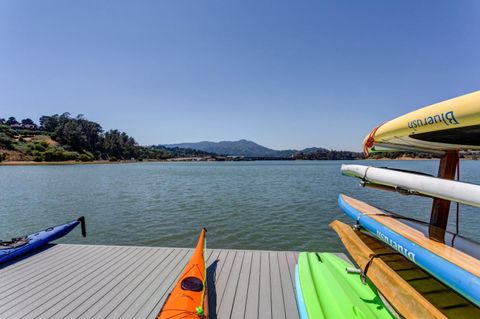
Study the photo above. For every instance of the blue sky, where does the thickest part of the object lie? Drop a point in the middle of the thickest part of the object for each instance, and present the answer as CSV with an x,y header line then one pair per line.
x,y
286,74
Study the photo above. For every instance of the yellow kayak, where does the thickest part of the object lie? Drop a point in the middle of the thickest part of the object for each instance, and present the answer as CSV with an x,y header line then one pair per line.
x,y
451,125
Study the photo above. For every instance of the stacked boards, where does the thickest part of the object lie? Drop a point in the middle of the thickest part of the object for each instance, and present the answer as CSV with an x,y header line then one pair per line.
x,y
450,125
456,269
325,289
446,264
412,291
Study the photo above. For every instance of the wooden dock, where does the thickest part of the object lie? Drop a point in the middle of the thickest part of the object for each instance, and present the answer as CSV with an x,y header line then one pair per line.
x,y
84,281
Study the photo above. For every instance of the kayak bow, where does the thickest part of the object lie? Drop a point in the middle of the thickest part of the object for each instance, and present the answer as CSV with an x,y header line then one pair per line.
x,y
188,298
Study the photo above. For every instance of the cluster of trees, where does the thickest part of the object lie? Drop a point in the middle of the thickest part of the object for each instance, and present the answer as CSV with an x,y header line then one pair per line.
x,y
78,139
87,137
328,155
182,152
395,155
12,121
6,137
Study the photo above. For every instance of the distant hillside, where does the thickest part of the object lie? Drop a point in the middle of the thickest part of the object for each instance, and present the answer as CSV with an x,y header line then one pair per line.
x,y
322,154
312,150
251,149
235,148
66,138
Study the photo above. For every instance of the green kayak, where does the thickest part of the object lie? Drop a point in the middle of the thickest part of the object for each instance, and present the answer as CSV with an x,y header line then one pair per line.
x,y
324,289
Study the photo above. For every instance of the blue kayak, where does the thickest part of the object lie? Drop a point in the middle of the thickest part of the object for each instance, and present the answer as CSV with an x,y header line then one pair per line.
x,y
20,246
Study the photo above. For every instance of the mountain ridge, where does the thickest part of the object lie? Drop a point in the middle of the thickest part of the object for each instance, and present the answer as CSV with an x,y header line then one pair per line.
x,y
242,147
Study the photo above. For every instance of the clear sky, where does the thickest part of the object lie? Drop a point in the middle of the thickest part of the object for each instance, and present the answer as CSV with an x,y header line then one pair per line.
x,y
286,74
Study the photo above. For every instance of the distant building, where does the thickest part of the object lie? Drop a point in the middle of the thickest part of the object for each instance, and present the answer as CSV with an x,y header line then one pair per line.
x,y
20,126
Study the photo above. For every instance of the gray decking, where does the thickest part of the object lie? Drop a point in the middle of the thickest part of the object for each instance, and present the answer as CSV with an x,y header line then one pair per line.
x,y
81,281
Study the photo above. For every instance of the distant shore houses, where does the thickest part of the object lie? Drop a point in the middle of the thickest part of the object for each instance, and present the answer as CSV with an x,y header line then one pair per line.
x,y
25,125
20,126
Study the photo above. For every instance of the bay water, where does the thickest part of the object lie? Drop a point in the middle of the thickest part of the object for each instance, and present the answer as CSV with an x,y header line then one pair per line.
x,y
268,205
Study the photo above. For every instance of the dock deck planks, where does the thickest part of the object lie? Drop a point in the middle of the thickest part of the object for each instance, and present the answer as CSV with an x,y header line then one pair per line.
x,y
83,281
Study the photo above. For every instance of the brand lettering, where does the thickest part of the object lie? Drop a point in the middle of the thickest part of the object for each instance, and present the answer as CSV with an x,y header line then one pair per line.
x,y
404,251
447,118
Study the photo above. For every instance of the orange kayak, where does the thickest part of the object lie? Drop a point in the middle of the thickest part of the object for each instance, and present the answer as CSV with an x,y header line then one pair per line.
x,y
189,299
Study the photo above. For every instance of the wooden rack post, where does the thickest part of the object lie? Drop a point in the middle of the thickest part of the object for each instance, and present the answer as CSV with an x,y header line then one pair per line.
x,y
441,207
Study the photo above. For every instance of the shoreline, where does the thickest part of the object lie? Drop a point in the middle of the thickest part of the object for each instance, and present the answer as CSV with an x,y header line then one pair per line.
x,y
33,163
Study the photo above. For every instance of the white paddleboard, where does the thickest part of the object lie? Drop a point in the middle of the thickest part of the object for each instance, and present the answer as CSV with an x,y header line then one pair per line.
x,y
417,183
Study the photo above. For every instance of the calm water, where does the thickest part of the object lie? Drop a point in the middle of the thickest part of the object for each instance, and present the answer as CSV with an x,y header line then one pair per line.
x,y
250,205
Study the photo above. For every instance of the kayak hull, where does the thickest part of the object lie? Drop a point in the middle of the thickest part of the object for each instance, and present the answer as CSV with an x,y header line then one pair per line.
x,y
302,310
329,291
188,298
37,240
451,125
461,192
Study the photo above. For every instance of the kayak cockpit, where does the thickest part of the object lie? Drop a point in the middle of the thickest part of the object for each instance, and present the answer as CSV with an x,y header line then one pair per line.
x,y
14,243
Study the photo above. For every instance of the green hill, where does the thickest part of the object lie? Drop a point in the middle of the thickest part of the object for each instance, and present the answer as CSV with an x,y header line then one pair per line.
x,y
66,138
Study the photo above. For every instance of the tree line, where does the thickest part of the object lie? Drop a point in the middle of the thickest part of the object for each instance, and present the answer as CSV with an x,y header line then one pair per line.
x,y
328,155
13,121
80,139
84,136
